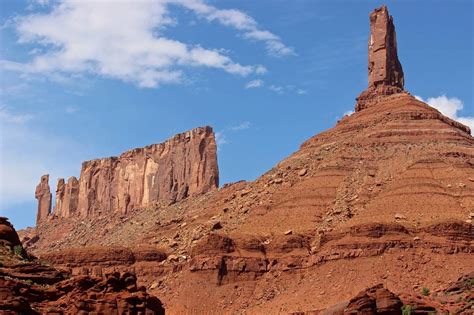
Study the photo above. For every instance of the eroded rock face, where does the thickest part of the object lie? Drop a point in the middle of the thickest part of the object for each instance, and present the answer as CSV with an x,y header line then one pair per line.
x,y
183,166
28,286
67,197
43,194
385,72
8,235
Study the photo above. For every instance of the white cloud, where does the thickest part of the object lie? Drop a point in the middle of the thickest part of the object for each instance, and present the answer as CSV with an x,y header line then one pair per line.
x,y
276,89
301,92
449,106
220,139
6,116
348,113
254,84
260,69
124,40
240,21
242,126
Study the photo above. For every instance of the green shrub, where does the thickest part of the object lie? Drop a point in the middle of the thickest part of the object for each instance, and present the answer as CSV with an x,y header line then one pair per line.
x,y
18,250
407,309
425,291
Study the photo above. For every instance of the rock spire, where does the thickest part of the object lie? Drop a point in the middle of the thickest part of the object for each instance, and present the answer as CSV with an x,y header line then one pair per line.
x,y
385,72
43,194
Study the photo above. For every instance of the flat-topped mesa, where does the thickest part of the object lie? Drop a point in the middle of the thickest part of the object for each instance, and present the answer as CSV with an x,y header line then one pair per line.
x,y
385,72
43,194
184,165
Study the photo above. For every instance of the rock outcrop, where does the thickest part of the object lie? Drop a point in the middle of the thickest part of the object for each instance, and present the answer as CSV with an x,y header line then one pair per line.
x,y
183,166
384,68
28,286
67,197
43,194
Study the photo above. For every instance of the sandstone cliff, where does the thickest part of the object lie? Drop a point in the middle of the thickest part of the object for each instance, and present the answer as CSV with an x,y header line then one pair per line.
x,y
385,197
183,166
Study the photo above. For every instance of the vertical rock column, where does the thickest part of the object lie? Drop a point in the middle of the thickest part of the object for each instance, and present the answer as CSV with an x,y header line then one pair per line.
x,y
384,66
59,197
43,194
385,73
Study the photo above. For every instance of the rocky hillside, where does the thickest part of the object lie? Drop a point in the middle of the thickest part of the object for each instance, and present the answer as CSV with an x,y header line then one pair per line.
x,y
32,286
374,214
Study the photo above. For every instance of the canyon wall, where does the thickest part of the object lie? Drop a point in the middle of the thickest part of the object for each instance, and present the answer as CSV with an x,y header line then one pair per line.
x,y
185,165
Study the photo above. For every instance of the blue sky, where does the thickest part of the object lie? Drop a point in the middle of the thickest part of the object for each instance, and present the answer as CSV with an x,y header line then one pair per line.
x,y
88,79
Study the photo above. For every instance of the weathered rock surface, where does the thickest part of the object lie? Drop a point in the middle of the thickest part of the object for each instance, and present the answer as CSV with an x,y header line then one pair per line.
x,y
385,71
43,194
28,286
385,197
67,197
183,166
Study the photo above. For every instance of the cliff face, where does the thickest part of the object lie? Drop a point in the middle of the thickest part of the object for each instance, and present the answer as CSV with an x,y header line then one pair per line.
x,y
185,165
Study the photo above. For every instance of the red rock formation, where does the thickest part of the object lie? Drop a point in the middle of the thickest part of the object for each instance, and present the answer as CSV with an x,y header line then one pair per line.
x,y
59,197
8,235
385,70
28,286
185,165
182,166
43,194
67,197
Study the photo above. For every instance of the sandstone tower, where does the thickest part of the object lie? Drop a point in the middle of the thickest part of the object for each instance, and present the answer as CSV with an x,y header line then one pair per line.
x,y
43,194
385,72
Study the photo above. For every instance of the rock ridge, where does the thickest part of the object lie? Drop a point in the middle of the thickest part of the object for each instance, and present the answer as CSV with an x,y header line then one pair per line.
x,y
182,166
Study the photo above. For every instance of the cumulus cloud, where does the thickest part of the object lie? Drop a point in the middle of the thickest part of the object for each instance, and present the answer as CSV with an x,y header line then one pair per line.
x,y
124,40
449,106
254,84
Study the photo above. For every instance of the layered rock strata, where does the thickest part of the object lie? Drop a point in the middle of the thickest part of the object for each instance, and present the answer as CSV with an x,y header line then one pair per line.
x,y
29,286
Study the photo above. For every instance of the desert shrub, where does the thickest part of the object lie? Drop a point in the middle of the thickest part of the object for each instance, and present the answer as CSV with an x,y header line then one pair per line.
x,y
407,310
425,291
19,251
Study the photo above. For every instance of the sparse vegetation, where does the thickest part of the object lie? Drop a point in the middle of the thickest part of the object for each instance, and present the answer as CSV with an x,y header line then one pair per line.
x,y
425,291
407,309
19,251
